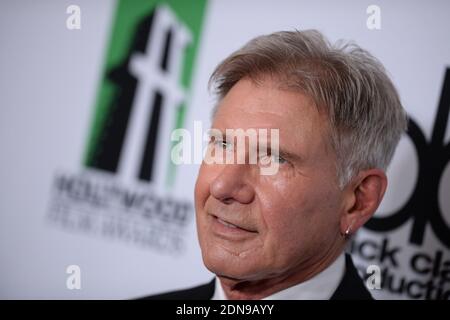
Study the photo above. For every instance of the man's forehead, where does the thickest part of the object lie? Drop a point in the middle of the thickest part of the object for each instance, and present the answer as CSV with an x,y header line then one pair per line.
x,y
266,98
265,105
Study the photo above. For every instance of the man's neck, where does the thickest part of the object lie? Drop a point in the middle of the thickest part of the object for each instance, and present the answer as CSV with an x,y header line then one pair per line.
x,y
236,289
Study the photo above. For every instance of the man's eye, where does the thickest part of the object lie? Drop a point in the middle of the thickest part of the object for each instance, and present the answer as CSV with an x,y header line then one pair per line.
x,y
266,159
222,144
279,159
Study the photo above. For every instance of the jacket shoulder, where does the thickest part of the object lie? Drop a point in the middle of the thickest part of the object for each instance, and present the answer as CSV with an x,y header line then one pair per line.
x,y
352,285
201,292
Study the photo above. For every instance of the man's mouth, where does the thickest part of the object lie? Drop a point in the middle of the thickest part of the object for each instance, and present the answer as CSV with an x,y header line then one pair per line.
x,y
226,223
231,225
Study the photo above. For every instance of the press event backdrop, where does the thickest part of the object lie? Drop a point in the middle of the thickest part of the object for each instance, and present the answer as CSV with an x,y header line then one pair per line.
x,y
91,205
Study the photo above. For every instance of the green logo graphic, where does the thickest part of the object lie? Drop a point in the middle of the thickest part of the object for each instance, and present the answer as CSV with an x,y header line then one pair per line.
x,y
142,96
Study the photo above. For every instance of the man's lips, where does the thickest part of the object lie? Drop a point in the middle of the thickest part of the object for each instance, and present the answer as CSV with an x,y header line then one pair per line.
x,y
232,224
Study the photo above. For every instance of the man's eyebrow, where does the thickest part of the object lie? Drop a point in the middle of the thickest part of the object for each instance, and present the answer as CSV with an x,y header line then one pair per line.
x,y
290,155
283,152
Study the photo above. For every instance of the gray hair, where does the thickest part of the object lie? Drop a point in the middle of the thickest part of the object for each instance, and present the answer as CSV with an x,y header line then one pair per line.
x,y
363,107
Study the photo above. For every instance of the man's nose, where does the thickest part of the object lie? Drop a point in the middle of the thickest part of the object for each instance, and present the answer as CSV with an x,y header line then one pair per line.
x,y
231,185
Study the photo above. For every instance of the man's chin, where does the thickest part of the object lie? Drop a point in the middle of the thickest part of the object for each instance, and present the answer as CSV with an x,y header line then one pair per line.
x,y
229,269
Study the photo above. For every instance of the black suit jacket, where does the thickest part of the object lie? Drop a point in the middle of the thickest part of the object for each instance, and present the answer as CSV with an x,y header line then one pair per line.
x,y
351,288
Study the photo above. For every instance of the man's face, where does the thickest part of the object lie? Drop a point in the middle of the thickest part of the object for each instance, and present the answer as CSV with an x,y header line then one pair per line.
x,y
254,226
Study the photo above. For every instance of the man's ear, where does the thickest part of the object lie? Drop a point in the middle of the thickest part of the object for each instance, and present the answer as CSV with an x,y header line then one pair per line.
x,y
363,195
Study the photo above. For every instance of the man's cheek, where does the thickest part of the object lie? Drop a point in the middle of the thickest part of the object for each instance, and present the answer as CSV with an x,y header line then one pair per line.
x,y
201,190
290,228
